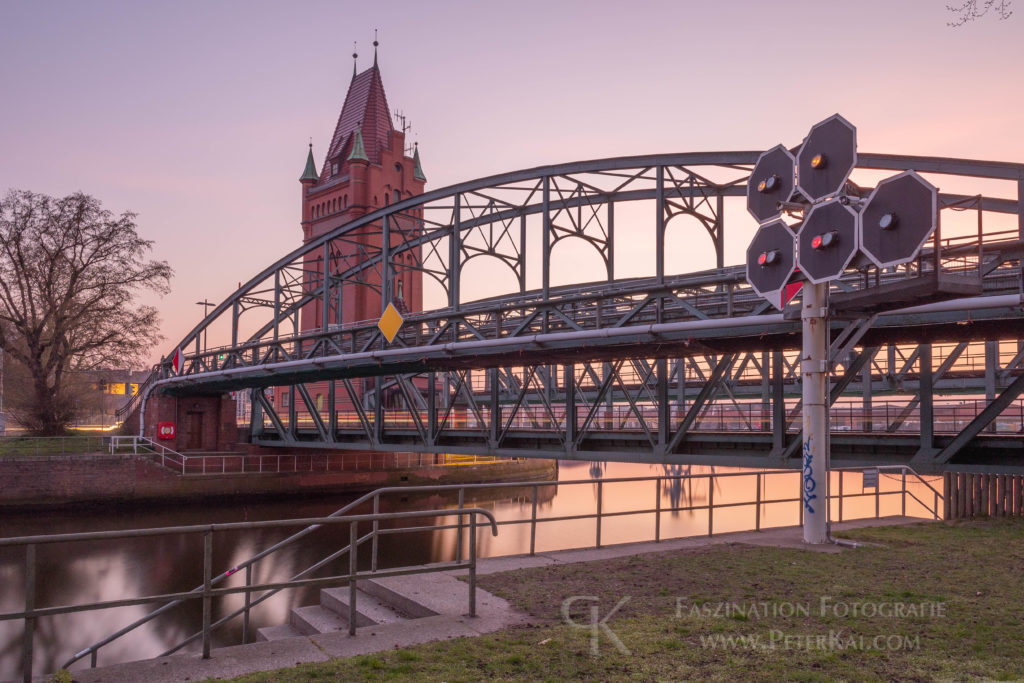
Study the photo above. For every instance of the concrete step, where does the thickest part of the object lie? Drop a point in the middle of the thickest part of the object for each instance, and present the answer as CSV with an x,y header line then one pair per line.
x,y
314,619
369,610
403,594
268,633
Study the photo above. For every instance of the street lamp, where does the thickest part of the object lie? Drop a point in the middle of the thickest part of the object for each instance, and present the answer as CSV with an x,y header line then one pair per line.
x,y
206,309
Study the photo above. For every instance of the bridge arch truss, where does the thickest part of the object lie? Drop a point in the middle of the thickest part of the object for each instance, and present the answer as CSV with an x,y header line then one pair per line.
x,y
634,368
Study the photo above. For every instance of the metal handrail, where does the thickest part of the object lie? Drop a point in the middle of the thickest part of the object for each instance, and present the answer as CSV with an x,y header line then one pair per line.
x,y
94,648
206,592
376,495
150,447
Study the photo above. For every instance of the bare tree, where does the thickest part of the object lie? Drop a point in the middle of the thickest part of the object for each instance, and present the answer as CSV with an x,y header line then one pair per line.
x,y
973,9
69,271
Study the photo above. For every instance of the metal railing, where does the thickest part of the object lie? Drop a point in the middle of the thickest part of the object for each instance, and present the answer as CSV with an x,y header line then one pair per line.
x,y
893,474
949,417
143,445
283,463
206,592
896,473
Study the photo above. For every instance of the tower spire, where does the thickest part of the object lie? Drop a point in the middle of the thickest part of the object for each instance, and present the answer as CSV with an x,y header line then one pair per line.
x,y
358,148
310,172
355,57
375,44
417,170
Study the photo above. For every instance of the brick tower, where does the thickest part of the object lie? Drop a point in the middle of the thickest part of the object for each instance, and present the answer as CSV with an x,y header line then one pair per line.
x,y
366,168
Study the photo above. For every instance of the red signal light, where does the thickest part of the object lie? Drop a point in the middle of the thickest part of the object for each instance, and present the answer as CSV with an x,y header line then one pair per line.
x,y
825,240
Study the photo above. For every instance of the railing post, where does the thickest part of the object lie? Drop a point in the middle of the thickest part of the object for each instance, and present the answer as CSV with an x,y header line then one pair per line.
x,y
472,565
878,492
840,495
757,505
376,528
207,578
600,490
248,604
533,522
353,539
29,635
657,510
903,505
711,504
458,541
800,501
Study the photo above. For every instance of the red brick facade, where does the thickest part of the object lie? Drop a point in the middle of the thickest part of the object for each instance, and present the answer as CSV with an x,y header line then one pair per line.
x,y
202,423
366,168
352,184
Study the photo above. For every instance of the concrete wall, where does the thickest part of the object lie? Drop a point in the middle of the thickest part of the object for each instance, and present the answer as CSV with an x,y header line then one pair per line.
x,y
66,480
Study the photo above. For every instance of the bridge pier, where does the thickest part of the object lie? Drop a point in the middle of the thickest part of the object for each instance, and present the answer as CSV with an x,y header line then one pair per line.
x,y
201,422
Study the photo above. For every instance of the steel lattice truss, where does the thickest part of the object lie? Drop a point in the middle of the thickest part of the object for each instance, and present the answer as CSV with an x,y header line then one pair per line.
x,y
629,368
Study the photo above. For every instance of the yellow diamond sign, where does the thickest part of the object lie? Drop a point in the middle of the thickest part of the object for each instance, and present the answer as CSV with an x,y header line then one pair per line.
x,y
390,322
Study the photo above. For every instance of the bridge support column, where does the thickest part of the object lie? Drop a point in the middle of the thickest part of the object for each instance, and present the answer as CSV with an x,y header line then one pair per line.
x,y
814,367
201,423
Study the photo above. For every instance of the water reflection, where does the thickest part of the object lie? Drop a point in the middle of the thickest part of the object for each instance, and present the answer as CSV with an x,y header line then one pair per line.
x,y
80,572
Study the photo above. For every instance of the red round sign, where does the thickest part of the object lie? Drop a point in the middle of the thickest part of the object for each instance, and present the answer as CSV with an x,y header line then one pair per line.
x,y
165,430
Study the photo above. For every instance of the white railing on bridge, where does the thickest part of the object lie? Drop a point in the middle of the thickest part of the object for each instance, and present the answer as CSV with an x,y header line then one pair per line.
x,y
283,463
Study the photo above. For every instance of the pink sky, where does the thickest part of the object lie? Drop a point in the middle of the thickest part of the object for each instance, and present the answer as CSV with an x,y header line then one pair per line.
x,y
196,115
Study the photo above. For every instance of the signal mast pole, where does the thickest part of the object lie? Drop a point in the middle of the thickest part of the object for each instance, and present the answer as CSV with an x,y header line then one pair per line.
x,y
814,367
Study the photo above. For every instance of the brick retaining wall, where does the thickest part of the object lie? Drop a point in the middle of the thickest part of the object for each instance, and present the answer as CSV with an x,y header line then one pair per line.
x,y
92,478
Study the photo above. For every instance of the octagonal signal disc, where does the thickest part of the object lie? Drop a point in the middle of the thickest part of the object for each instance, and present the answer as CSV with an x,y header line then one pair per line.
x,y
772,181
771,258
898,218
826,158
827,241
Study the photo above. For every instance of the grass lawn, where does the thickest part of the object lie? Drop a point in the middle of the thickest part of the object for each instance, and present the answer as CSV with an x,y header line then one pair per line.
x,y
930,601
86,442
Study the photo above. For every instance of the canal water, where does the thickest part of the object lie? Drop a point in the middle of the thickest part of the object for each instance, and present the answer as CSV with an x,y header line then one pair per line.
x,y
108,570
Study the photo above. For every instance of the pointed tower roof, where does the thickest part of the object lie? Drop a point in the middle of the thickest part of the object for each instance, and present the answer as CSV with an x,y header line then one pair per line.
x,y
365,104
417,170
358,149
310,172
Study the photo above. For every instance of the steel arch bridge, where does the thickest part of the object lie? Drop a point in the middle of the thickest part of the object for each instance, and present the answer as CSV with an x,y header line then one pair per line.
x,y
669,367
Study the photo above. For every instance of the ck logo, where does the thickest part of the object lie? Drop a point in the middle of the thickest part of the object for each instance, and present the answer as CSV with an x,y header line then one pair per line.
x,y
596,625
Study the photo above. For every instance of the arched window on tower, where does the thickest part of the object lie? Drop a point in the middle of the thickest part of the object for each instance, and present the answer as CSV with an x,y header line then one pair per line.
x,y
345,201
398,196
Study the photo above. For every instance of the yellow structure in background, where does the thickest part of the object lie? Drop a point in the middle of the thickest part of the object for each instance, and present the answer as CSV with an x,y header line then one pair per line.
x,y
121,388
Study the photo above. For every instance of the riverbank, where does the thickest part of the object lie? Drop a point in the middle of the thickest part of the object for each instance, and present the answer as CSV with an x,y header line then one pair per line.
x,y
49,481
897,609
